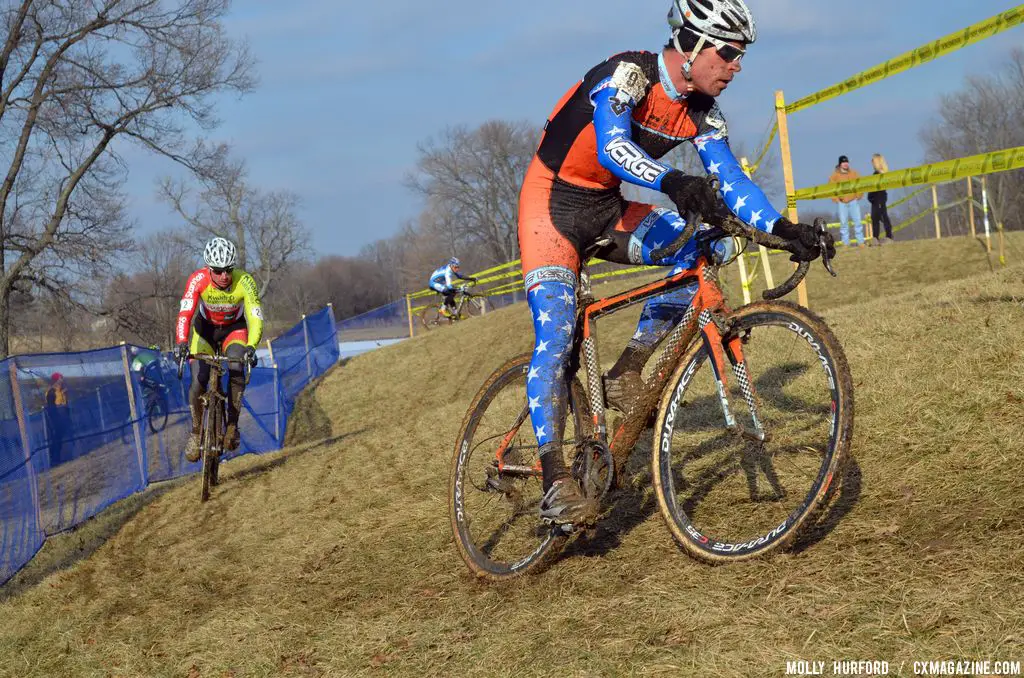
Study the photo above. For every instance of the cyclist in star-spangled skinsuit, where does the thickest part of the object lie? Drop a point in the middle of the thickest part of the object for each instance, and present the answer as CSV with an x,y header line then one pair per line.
x,y
611,127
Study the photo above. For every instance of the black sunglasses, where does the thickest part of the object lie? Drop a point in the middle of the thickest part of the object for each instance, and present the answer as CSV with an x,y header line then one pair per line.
x,y
221,271
730,53
726,50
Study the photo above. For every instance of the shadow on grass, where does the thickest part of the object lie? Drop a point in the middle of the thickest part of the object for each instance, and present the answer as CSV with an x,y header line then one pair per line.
x,y
630,506
635,503
842,501
270,464
309,421
64,549
1004,299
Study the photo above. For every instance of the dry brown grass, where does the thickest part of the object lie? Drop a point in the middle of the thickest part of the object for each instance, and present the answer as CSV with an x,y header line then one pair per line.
x,y
334,558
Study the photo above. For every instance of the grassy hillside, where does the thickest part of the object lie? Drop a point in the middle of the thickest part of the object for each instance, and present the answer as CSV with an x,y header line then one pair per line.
x,y
334,557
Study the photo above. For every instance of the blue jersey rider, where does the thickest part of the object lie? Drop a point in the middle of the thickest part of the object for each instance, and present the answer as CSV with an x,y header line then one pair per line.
x,y
442,281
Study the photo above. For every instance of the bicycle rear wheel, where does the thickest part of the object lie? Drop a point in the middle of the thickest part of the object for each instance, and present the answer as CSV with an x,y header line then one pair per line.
x,y
727,494
495,514
156,414
431,317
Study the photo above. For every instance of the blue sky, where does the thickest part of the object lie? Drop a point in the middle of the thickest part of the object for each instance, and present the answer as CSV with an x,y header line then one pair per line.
x,y
347,90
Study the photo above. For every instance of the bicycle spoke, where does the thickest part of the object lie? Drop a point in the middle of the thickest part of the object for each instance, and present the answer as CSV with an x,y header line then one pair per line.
x,y
742,488
495,513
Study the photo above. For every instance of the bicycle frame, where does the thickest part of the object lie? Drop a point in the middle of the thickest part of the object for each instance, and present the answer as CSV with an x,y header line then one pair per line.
x,y
461,297
703,316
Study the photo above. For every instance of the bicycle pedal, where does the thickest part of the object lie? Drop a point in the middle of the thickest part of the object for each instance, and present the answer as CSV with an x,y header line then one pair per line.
x,y
496,485
565,529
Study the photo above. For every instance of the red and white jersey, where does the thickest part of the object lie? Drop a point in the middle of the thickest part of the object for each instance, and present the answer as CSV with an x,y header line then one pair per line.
x,y
221,307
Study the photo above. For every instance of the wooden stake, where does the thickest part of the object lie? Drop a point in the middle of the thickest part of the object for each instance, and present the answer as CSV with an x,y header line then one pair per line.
x,y
769,281
787,175
408,312
136,423
970,205
26,445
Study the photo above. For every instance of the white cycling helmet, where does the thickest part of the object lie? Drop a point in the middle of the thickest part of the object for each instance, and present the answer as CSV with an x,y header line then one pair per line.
x,y
722,19
220,253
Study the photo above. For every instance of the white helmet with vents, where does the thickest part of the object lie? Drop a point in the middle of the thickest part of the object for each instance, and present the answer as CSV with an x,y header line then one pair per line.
x,y
220,253
722,19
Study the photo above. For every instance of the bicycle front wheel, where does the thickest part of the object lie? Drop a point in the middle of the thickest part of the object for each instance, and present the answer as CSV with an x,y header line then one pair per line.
x,y
211,449
739,473
473,307
495,508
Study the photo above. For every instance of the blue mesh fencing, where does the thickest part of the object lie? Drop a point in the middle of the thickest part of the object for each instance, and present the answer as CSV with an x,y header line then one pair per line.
x,y
80,431
390,321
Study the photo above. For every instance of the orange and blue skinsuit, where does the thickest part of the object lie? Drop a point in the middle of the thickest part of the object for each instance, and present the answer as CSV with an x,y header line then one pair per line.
x,y
611,127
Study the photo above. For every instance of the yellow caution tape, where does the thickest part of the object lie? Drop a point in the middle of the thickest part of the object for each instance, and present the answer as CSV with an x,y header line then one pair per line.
x,y
947,170
916,57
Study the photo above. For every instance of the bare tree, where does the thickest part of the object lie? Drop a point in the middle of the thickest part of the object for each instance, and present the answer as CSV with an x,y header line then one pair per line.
x,y
263,225
987,114
276,234
473,177
75,76
220,205
142,304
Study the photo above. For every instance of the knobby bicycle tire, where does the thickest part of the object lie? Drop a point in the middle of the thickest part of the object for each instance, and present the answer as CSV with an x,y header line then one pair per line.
x,y
551,541
210,442
473,307
835,418
156,414
431,317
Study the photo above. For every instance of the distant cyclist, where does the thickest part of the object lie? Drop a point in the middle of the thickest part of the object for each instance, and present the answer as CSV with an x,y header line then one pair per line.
x,y
610,127
146,363
230,321
442,281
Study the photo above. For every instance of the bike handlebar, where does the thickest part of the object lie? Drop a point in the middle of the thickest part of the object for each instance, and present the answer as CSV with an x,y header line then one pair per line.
x,y
213,361
733,226
693,220
660,255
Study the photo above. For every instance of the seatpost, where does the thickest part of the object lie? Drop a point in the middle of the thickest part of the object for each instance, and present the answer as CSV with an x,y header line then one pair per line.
x,y
585,294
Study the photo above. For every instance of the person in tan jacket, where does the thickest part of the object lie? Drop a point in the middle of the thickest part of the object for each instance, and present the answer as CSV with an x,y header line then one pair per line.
x,y
847,206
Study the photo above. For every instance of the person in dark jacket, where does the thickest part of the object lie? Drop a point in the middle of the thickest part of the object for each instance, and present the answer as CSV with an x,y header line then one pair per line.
x,y
878,199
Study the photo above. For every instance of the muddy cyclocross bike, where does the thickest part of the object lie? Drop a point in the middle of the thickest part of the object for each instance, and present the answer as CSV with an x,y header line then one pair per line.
x,y
214,403
740,464
467,304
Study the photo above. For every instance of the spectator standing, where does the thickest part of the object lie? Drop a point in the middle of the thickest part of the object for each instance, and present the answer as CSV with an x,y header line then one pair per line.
x,y
878,200
57,415
847,206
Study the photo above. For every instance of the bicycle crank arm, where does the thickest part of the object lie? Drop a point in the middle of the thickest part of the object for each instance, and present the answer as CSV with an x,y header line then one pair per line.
x,y
520,471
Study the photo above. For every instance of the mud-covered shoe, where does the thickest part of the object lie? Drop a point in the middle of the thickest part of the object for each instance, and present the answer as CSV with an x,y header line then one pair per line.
x,y
192,448
620,392
565,504
231,437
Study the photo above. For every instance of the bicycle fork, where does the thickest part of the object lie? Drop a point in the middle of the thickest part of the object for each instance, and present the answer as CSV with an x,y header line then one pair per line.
x,y
723,345
213,436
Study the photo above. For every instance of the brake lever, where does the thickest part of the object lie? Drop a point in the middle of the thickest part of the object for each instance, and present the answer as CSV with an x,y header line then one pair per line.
x,y
821,230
